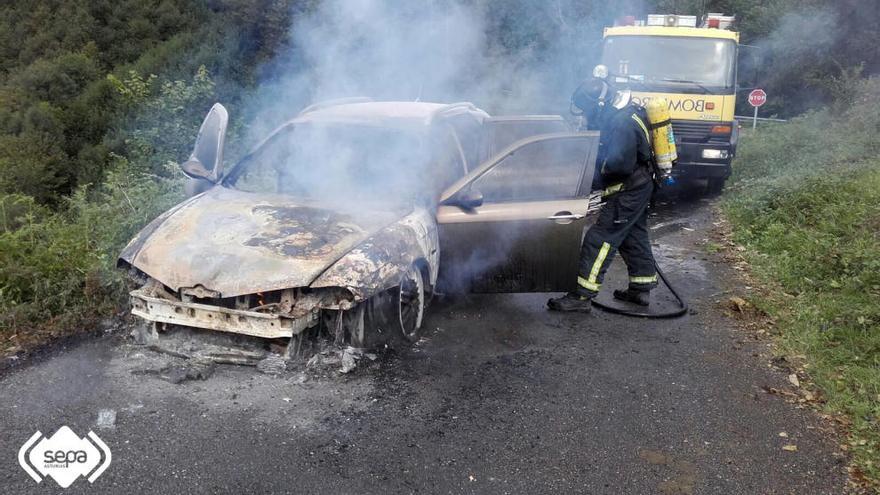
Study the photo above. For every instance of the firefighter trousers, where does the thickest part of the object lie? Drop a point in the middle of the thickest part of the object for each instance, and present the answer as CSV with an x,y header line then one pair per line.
x,y
622,226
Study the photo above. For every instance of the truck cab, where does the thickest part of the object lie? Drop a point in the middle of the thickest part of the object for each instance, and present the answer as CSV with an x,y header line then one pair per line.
x,y
694,68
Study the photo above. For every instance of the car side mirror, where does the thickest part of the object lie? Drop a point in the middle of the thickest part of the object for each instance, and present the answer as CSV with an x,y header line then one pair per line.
x,y
468,199
206,161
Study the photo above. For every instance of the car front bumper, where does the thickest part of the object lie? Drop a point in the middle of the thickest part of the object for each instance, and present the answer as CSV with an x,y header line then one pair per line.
x,y
218,318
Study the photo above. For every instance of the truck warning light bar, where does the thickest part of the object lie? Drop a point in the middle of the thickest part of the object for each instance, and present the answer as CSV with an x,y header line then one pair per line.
x,y
712,20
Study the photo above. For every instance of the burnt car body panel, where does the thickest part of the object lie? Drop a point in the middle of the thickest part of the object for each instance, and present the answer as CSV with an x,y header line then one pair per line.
x,y
379,262
235,242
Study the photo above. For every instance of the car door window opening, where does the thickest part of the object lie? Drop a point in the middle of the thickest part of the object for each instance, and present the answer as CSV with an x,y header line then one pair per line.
x,y
542,170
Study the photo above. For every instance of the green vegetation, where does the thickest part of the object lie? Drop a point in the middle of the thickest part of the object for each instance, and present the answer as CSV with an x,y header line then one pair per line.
x,y
98,100
805,201
62,119
57,266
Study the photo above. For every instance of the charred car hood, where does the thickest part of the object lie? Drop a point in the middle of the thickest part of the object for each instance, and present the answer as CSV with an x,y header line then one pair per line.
x,y
237,243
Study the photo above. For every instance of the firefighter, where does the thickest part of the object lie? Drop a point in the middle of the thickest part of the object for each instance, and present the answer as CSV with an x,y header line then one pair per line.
x,y
625,174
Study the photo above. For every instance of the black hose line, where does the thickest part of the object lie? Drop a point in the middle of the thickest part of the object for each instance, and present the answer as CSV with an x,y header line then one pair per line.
x,y
645,314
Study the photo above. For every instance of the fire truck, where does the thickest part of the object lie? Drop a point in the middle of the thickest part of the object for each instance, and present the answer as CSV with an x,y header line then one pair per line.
x,y
694,68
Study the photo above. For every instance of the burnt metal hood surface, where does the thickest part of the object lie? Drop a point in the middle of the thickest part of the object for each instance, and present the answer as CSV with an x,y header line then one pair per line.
x,y
235,242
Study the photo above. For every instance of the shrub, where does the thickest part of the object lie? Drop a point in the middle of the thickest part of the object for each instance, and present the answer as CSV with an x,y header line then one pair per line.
x,y
57,267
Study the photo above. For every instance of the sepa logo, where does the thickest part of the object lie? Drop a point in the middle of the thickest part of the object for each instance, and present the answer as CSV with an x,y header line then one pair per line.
x,y
64,456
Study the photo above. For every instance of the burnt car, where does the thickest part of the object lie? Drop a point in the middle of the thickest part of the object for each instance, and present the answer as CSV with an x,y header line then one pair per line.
x,y
351,215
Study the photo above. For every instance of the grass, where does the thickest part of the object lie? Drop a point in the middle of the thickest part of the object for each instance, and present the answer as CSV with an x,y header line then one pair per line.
x,y
805,202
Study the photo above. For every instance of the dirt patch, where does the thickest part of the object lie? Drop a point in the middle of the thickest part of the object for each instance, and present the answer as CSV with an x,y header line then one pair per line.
x,y
682,473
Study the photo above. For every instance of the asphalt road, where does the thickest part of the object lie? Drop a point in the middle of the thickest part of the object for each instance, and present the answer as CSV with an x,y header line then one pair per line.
x,y
501,397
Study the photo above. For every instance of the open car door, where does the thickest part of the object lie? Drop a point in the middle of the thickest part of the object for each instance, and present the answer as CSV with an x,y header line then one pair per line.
x,y
205,165
516,222
503,131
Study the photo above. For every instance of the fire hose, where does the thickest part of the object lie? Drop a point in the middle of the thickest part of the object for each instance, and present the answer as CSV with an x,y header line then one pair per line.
x,y
682,309
596,201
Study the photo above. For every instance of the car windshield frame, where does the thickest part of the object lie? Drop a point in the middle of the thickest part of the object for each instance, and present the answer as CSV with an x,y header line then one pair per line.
x,y
420,153
652,48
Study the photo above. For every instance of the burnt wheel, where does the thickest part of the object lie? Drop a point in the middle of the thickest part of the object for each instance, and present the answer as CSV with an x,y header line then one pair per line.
x,y
393,316
411,304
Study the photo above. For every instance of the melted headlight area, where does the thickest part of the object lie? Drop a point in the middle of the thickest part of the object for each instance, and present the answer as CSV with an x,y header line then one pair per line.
x,y
270,314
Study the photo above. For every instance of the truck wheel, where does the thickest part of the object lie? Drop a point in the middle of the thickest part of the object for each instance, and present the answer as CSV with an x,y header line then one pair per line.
x,y
715,186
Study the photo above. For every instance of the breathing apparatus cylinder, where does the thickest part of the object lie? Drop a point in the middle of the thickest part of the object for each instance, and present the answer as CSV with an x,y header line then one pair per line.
x,y
662,138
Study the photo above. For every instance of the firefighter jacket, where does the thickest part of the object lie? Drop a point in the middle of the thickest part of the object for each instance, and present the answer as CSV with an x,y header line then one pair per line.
x,y
624,159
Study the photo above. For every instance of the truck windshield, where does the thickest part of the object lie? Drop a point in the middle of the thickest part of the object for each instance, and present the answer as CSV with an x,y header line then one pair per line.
x,y
703,64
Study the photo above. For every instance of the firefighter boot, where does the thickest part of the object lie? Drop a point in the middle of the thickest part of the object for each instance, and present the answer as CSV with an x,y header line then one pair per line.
x,y
640,297
571,302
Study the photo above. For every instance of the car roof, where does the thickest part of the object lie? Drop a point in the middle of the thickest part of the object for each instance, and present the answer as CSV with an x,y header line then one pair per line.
x,y
414,116
395,114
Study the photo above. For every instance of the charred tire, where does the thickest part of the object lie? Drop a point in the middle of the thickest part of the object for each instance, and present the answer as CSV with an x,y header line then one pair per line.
x,y
359,334
411,304
394,316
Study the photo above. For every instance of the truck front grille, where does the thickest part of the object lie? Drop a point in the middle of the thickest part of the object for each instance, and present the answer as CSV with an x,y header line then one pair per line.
x,y
691,131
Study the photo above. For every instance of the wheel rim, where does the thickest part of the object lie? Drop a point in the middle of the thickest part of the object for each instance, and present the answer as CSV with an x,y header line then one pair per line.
x,y
411,303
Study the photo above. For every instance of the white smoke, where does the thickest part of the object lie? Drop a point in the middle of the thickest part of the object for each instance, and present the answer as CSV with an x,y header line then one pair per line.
x,y
428,50
382,49
436,50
